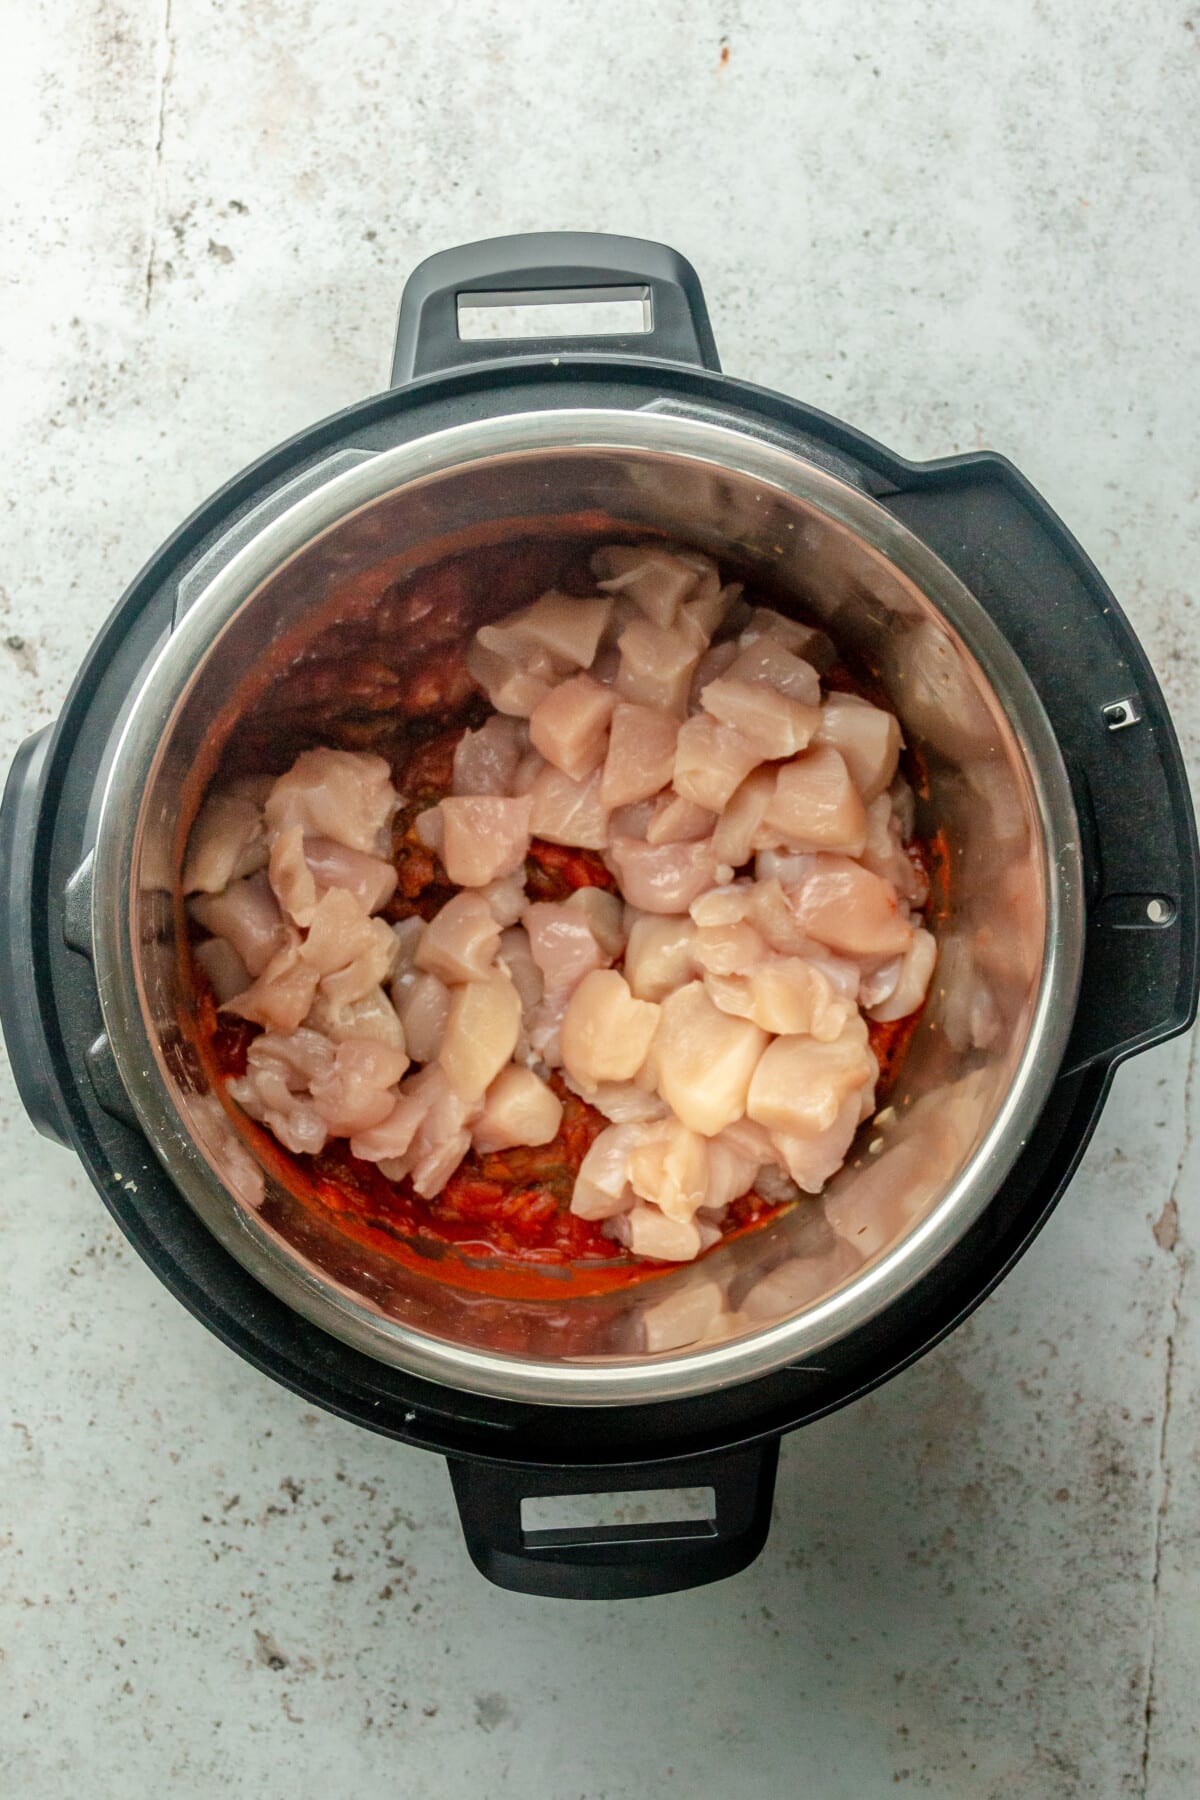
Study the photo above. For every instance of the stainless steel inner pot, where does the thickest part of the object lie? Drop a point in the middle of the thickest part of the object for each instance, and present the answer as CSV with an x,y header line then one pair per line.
x,y
1003,996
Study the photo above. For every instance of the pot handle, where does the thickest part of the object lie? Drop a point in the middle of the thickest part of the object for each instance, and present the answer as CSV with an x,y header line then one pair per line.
x,y
616,1561
20,1017
538,267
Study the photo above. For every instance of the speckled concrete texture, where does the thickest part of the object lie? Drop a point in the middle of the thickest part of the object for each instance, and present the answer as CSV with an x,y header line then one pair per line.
x,y
956,226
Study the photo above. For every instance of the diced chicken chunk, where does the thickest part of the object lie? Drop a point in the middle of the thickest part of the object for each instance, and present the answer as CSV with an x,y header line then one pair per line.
x,y
440,1140
346,795
656,667
810,1161
867,738
570,726
274,1089
279,998
815,805
569,629
226,972
460,944
394,1133
669,1166
655,580
568,812
519,1109
659,956
517,956
711,761
485,761
511,688
602,1187
916,967
355,1092
786,995
371,879
799,1085
349,952
843,905
373,1016
737,829
662,878
675,820
422,1002
247,915
226,843
765,663
606,1033
704,1059
774,724
292,881
483,838
564,944
802,640
648,1232
481,1034
641,754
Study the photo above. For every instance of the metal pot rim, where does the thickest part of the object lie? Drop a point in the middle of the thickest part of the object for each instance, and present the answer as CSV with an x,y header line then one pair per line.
x,y
669,1375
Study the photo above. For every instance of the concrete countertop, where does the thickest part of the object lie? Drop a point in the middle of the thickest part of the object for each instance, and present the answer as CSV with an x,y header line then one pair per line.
x,y
955,227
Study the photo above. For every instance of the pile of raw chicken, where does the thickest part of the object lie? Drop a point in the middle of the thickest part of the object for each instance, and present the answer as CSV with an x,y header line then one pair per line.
x,y
710,1003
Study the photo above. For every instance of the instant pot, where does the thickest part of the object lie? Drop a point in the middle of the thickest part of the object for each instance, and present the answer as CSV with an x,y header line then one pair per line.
x,y
1067,933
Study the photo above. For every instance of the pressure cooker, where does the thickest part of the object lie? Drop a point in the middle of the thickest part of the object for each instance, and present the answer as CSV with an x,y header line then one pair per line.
x,y
1068,941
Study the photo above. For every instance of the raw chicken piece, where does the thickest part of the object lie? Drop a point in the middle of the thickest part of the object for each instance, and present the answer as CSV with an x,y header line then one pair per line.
x,y
641,754
799,1085
606,1033
460,944
885,855
915,969
655,580
346,795
810,1161
739,824
373,1016
569,629
765,663
734,1160
701,618
669,1167
815,805
604,916
659,956
570,726
350,953
511,687
621,1102
483,838
692,1315
519,1109
292,881
867,738
844,906
247,914
776,725
393,1135
784,866
371,879
602,1187
422,1002
516,955
568,812
227,973
732,948
801,640
727,904
441,1139
563,944
711,761
506,898
226,842
542,1027
678,821
481,1034
704,1059
355,1093
282,995
648,1232
786,995
714,663
656,667
662,878
408,934
274,1089
485,761
429,828
633,821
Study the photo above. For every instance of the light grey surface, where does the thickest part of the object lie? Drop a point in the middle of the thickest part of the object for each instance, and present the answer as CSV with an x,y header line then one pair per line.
x,y
955,226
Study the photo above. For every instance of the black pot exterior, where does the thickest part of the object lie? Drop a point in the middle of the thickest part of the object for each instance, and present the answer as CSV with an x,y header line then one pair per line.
x,y
1143,909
